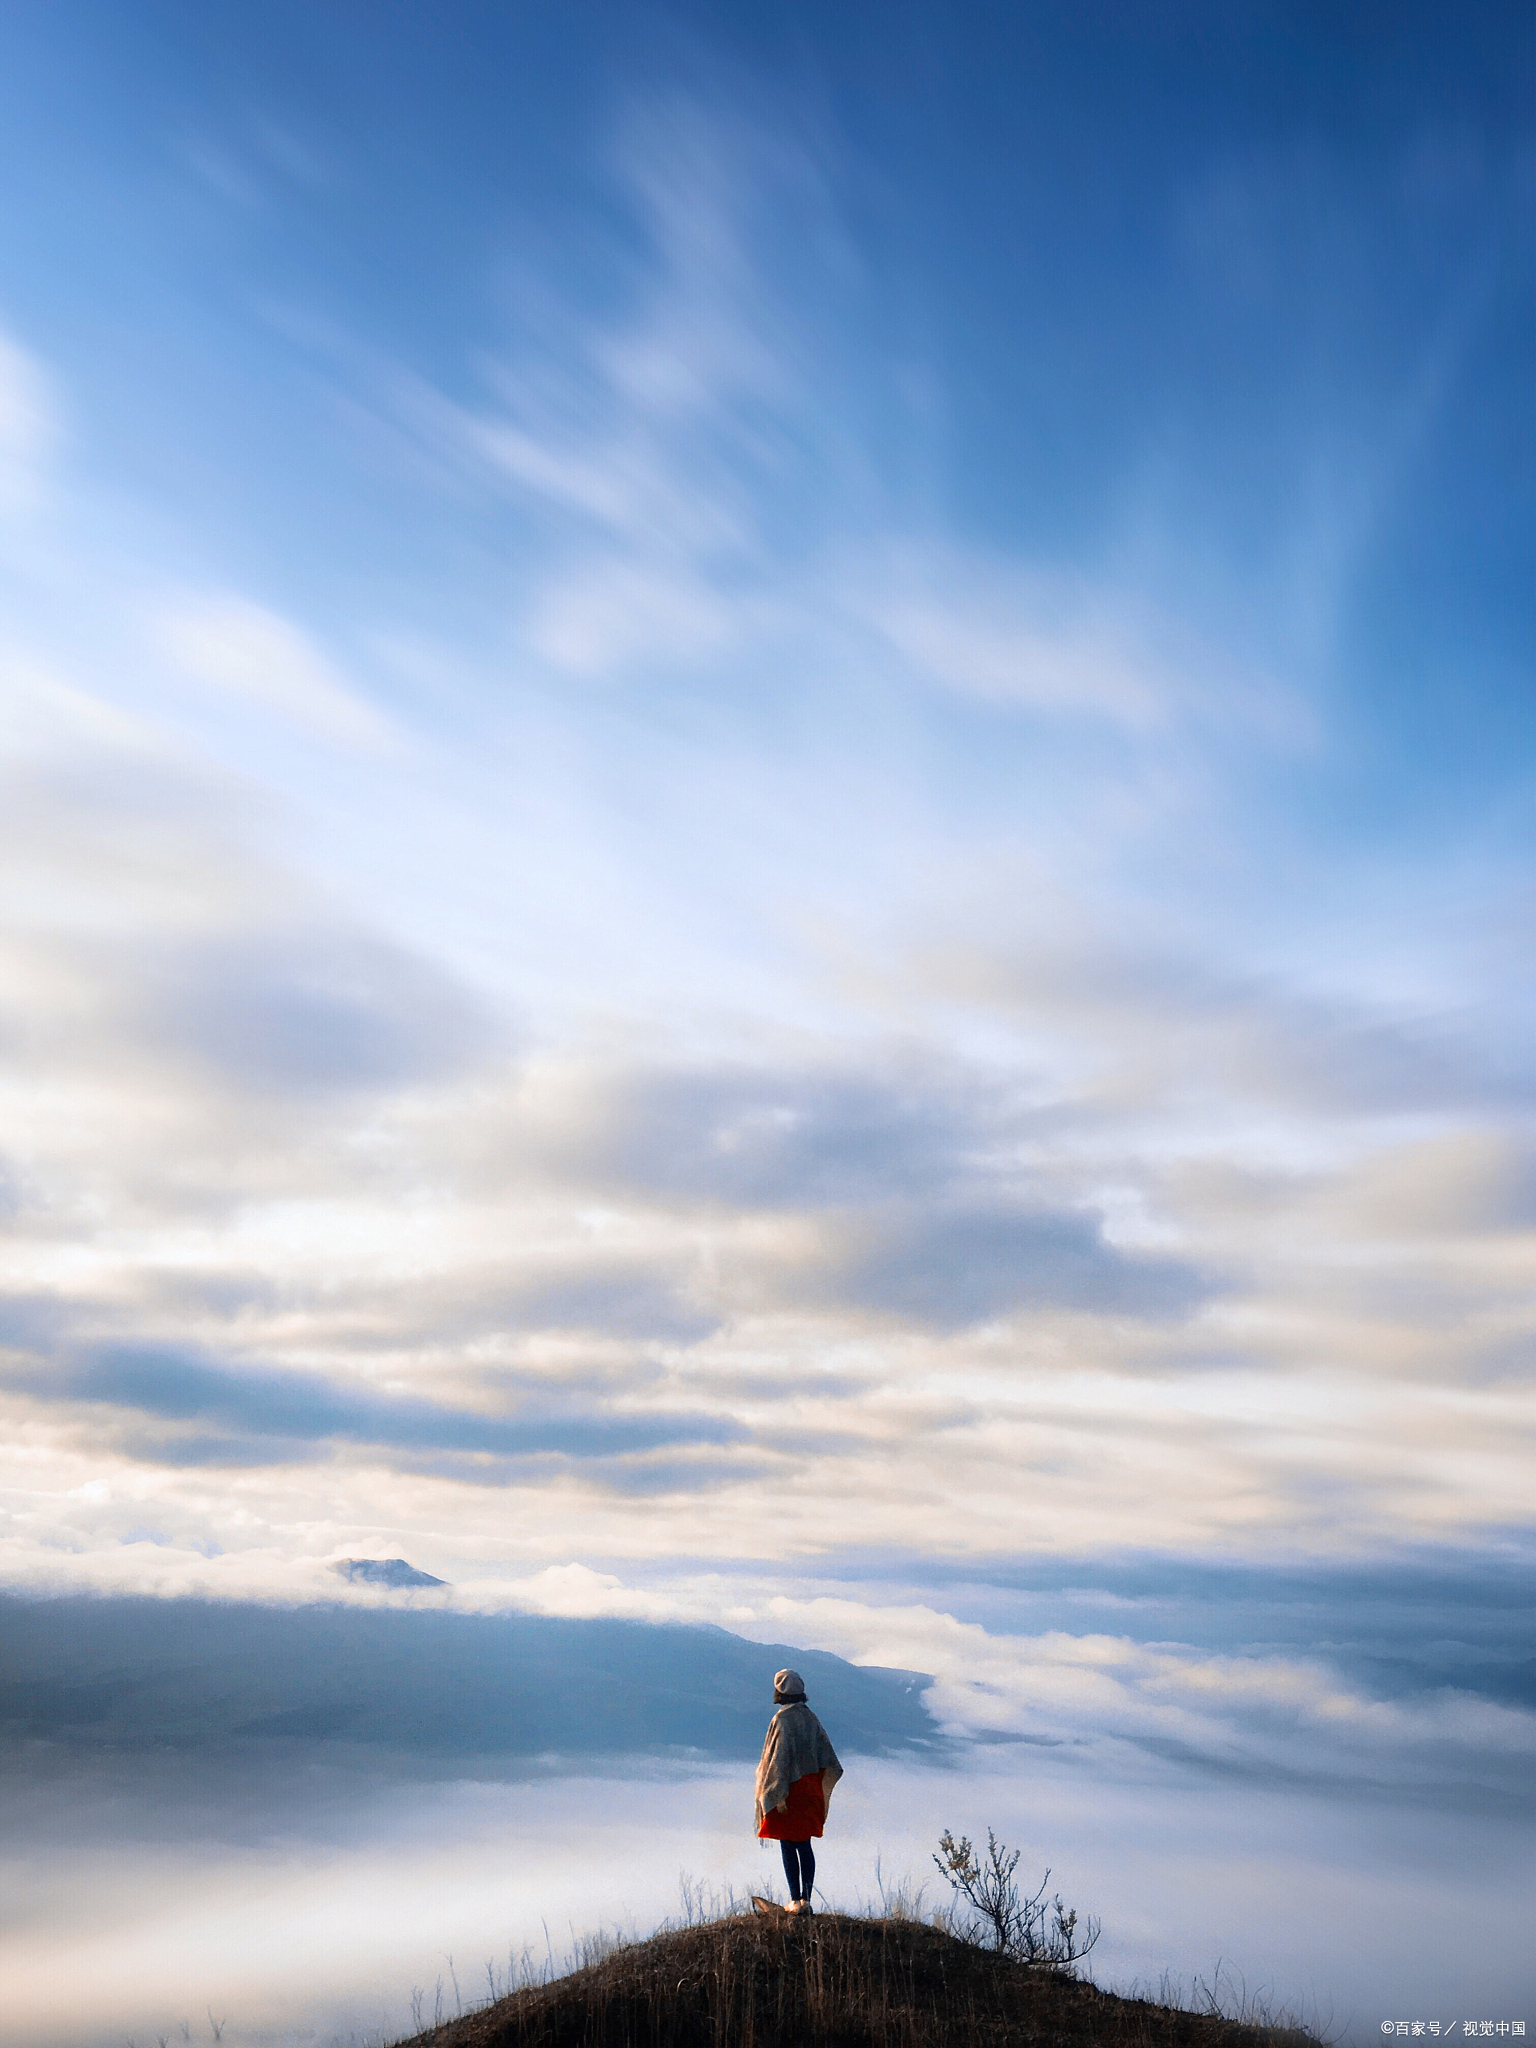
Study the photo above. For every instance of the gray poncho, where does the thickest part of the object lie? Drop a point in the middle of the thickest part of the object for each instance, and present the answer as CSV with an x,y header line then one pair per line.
x,y
796,1745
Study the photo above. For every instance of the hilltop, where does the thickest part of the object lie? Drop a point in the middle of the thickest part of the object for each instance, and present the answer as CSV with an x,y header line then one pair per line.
x,y
831,1982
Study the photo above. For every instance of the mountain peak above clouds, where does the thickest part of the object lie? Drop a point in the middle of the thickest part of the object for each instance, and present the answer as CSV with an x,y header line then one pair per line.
x,y
383,1571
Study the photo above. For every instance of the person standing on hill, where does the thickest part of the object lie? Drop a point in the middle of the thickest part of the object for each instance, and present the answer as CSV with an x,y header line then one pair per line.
x,y
795,1777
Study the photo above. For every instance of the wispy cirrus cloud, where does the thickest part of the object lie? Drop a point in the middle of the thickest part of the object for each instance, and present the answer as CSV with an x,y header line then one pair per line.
x,y
231,646
689,476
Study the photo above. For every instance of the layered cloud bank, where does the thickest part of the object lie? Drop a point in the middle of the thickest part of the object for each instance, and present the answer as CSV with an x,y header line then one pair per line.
x,y
1053,1244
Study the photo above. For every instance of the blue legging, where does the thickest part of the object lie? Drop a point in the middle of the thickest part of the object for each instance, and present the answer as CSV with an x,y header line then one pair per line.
x,y
799,1868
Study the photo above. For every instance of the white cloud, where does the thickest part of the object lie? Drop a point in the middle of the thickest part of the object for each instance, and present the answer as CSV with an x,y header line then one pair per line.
x,y
1066,1688
243,650
618,614
1013,638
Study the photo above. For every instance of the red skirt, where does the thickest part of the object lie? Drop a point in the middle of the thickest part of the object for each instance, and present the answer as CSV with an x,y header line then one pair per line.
x,y
801,1815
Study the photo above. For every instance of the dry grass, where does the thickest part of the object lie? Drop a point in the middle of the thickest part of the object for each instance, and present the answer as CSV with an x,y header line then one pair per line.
x,y
831,1982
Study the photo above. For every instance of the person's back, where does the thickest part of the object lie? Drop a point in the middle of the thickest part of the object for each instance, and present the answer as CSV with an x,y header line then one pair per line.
x,y
795,1776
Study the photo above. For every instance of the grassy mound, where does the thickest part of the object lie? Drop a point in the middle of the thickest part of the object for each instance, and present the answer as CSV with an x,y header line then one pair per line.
x,y
830,1982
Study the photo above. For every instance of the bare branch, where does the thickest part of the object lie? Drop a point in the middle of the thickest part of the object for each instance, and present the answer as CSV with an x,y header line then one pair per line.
x,y
1044,1936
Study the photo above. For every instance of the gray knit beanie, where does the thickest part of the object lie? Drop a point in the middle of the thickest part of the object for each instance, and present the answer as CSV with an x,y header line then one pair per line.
x,y
788,1688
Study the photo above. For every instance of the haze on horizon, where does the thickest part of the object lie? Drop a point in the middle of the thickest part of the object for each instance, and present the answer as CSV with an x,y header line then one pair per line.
x,y
767,799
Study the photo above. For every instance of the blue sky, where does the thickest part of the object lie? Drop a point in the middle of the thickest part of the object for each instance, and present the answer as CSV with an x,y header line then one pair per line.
x,y
767,792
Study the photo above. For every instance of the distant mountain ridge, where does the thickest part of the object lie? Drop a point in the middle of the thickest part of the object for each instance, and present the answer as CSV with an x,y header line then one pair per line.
x,y
434,1688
